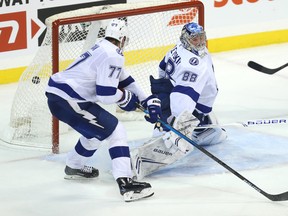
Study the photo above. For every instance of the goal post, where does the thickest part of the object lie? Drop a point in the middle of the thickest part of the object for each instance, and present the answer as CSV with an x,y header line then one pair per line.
x,y
154,28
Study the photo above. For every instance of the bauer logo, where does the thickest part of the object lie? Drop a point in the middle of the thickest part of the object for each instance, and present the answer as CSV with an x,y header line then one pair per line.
x,y
267,121
162,152
13,35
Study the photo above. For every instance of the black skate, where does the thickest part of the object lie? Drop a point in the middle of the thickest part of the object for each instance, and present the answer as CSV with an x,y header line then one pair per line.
x,y
87,172
133,190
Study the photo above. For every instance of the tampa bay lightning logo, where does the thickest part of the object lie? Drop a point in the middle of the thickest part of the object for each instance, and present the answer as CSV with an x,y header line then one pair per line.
x,y
194,61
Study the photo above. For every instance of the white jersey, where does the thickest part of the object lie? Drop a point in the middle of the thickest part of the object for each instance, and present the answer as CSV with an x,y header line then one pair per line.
x,y
193,78
95,76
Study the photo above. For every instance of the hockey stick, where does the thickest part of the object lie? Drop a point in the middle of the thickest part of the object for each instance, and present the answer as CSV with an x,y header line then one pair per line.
x,y
248,123
263,69
273,197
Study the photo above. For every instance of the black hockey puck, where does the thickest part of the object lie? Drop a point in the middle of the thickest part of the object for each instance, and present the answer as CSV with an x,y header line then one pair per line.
x,y
35,79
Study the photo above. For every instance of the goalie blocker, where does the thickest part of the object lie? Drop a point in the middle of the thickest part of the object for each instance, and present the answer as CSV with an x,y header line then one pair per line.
x,y
168,148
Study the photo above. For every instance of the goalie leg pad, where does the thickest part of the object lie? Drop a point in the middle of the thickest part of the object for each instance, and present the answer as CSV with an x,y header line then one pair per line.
x,y
152,156
171,139
184,123
209,136
166,149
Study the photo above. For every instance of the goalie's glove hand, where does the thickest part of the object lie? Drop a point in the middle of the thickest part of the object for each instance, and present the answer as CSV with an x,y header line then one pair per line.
x,y
128,101
153,105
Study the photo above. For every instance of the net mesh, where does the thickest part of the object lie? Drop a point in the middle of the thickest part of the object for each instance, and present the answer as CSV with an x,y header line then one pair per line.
x,y
150,37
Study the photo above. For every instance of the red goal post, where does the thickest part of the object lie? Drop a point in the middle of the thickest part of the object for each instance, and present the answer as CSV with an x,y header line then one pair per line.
x,y
154,28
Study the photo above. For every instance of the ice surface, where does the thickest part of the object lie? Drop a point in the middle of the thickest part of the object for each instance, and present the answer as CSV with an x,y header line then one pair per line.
x,y
31,182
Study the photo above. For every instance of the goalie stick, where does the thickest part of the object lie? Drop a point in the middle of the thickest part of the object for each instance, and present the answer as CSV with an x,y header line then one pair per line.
x,y
263,69
248,123
273,197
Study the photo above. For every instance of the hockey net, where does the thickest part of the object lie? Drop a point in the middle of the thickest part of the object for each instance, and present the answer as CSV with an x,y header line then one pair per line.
x,y
154,28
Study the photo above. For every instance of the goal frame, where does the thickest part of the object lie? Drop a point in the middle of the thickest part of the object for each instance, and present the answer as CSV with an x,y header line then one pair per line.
x,y
109,15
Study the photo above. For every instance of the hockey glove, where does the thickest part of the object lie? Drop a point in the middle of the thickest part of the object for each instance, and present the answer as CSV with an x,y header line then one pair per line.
x,y
128,101
153,105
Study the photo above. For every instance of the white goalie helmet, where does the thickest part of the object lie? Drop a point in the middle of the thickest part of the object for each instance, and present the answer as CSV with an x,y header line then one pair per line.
x,y
118,30
193,37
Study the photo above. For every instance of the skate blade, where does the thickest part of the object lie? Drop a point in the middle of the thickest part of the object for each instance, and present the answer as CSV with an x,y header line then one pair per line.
x,y
131,196
77,177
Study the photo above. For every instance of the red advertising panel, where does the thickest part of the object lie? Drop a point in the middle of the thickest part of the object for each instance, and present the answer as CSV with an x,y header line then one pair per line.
x,y
13,31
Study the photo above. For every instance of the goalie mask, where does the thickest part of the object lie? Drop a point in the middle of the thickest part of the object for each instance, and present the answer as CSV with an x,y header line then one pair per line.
x,y
118,30
193,38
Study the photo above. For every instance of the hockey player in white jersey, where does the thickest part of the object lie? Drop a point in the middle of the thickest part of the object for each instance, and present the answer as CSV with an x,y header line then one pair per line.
x,y
98,75
187,88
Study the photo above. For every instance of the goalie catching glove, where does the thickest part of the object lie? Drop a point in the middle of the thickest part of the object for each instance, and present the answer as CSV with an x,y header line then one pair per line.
x,y
153,105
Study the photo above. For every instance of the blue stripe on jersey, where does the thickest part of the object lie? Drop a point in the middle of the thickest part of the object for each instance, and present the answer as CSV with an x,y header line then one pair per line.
x,y
162,64
105,90
66,88
187,91
126,82
203,108
119,151
82,151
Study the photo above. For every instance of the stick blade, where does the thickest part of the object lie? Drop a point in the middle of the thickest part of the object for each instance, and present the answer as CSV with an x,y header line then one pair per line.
x,y
261,68
255,65
278,197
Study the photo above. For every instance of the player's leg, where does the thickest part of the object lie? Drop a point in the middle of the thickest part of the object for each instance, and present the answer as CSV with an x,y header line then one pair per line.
x,y
77,158
96,125
121,167
208,136
203,111
89,126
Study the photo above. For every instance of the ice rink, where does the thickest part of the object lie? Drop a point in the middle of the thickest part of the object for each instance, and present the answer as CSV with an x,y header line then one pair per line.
x,y
32,183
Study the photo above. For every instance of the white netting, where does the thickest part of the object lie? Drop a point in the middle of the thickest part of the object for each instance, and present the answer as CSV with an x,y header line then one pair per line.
x,y
151,35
